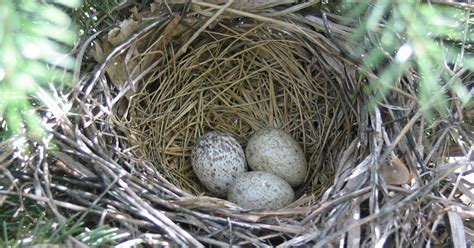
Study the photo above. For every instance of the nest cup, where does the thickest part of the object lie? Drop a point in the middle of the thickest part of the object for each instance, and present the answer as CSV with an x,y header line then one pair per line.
x,y
161,81
239,76
236,74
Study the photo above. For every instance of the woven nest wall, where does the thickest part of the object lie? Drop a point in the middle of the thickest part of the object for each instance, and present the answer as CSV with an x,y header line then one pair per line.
x,y
162,81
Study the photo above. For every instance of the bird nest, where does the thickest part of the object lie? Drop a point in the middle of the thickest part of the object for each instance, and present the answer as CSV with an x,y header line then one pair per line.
x,y
122,152
238,77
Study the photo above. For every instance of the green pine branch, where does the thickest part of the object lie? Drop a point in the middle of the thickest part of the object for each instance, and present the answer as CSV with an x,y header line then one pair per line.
x,y
433,40
35,37
27,224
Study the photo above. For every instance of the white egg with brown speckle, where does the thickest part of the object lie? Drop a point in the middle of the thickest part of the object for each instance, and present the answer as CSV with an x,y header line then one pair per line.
x,y
217,160
261,190
273,150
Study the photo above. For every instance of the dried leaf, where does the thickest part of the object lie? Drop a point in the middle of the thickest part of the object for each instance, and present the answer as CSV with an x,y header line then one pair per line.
x,y
125,29
395,173
154,7
119,67
98,52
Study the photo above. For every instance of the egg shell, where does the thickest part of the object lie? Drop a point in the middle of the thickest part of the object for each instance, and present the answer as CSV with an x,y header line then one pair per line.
x,y
273,150
218,159
260,190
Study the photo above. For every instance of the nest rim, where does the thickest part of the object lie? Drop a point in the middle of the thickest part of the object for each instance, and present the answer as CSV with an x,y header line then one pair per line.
x,y
132,192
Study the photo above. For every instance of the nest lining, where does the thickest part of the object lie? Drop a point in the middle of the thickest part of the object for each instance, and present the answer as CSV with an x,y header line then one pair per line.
x,y
103,168
238,78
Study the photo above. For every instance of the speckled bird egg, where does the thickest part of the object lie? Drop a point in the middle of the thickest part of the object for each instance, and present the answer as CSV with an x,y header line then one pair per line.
x,y
273,150
260,190
218,159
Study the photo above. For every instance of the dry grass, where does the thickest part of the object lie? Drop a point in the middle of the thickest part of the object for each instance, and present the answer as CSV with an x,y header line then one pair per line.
x,y
237,79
